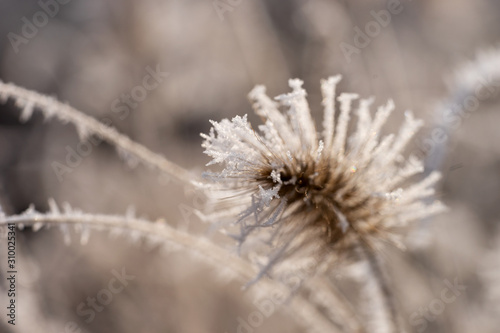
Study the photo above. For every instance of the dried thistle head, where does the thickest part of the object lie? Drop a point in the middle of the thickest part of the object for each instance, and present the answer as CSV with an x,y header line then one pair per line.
x,y
304,193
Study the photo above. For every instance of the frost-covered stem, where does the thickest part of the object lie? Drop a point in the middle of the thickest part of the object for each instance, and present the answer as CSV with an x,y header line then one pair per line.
x,y
169,234
338,308
385,291
211,254
28,101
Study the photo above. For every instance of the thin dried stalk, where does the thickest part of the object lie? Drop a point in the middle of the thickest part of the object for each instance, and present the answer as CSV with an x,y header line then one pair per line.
x,y
385,295
339,309
28,101
201,248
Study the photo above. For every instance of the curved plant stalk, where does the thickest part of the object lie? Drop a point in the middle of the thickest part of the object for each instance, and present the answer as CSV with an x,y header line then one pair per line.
x,y
338,308
28,101
376,285
225,263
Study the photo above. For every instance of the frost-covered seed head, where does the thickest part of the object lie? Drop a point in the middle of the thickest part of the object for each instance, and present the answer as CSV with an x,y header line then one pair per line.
x,y
302,193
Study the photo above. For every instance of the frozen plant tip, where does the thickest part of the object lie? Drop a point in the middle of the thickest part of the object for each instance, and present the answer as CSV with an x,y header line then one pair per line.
x,y
303,193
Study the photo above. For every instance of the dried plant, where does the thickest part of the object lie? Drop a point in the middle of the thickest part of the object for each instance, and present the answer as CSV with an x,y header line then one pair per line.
x,y
306,196
310,197
296,197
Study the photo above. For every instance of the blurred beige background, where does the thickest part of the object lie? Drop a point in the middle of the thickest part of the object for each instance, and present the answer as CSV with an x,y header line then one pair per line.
x,y
93,54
